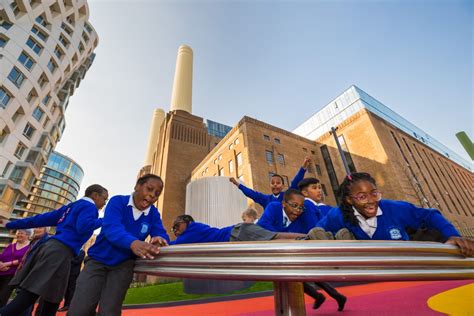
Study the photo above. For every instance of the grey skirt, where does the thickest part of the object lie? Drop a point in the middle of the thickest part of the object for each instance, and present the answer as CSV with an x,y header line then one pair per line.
x,y
250,232
46,272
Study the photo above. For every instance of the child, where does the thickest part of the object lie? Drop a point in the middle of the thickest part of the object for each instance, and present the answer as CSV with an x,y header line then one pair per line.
x,y
368,217
288,216
46,271
250,216
312,191
187,231
108,271
291,216
276,185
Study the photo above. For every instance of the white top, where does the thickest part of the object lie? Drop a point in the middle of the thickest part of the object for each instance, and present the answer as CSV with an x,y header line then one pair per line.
x,y
312,201
135,211
368,225
286,219
88,199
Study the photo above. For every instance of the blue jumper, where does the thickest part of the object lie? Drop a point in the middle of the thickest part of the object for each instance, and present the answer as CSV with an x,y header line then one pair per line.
x,y
265,199
324,209
391,225
202,233
74,223
272,220
120,229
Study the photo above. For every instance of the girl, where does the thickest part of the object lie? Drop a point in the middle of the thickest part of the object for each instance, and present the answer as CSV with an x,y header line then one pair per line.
x,y
368,217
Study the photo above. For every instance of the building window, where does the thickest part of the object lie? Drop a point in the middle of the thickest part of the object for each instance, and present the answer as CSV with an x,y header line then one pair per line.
x,y
67,29
5,170
59,53
39,33
347,155
219,158
26,60
270,176
20,150
241,178
231,146
281,159
207,169
88,27
52,66
266,137
3,135
41,21
215,161
277,141
45,123
80,47
42,80
318,169
29,131
17,114
269,156
305,150
38,113
231,166
285,181
6,25
46,99
34,45
331,172
3,41
63,41
239,160
236,141
4,98
221,172
313,152
16,77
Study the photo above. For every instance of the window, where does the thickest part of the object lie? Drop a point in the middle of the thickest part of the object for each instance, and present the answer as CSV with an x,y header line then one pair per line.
x,y
220,157
318,169
3,134
285,181
16,77
15,7
270,175
331,172
5,170
236,142
41,21
266,137
45,123
221,171
80,47
63,41
277,141
215,161
39,33
269,156
67,29
20,150
6,25
281,159
239,160
3,41
26,60
85,36
231,166
17,114
231,146
52,66
42,80
28,131
34,45
4,98
207,169
38,113
58,52
312,152
241,178
46,100
88,27
305,150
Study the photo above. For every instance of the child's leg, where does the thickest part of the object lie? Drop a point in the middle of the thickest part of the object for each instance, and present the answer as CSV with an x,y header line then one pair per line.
x,y
341,299
311,290
19,304
88,289
49,308
116,285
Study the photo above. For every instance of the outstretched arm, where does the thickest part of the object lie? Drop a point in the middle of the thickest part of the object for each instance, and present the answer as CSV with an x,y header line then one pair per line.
x,y
300,174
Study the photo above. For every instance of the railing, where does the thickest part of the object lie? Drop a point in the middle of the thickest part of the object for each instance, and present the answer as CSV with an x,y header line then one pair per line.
x,y
285,262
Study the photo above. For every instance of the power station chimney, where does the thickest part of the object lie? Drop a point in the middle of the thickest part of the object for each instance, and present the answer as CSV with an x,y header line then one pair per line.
x,y
156,121
181,98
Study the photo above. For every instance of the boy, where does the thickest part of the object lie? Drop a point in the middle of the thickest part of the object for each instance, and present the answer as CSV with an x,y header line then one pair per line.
x,y
276,185
108,271
313,195
250,216
46,271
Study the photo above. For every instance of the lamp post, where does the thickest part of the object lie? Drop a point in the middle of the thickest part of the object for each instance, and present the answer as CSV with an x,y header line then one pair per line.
x,y
339,148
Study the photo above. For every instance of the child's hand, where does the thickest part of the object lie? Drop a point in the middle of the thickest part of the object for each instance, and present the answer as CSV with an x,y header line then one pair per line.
x,y
306,162
4,222
144,250
465,244
235,182
159,241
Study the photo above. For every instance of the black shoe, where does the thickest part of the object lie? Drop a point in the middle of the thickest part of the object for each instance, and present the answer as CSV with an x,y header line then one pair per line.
x,y
319,301
63,309
341,301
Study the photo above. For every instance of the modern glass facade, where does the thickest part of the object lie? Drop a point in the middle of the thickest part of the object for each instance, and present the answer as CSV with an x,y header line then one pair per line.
x,y
58,184
354,99
217,129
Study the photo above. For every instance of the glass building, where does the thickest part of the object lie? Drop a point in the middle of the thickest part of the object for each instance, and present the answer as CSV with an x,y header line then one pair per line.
x,y
355,99
217,129
58,184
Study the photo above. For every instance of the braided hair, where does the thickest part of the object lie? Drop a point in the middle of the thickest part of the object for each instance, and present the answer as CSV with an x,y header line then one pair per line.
x,y
345,191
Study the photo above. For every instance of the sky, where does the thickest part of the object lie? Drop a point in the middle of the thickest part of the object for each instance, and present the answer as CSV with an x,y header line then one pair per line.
x,y
276,61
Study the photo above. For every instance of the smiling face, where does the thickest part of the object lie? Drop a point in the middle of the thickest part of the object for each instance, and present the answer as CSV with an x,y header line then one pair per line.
x,y
21,236
276,185
179,228
313,191
147,193
294,207
365,197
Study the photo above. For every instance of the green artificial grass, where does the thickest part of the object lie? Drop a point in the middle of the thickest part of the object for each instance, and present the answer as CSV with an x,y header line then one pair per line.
x,y
174,292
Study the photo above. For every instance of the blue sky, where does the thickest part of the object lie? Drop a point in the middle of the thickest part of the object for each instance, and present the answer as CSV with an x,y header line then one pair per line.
x,y
277,61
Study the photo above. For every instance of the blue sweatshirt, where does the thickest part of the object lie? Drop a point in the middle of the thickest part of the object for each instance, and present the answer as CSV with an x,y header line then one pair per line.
x,y
74,223
120,229
272,219
202,233
396,217
265,199
324,209
311,206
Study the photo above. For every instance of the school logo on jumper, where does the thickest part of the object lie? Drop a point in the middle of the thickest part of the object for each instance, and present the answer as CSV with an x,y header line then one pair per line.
x,y
395,233
144,228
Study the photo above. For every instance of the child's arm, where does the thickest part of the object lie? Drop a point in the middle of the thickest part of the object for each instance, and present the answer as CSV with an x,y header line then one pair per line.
x,y
258,197
87,220
331,222
41,220
300,174
267,220
112,225
158,233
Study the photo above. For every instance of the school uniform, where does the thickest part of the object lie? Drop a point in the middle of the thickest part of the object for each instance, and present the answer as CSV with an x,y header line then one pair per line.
x,y
108,269
274,219
201,233
316,208
324,209
265,199
46,271
390,223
